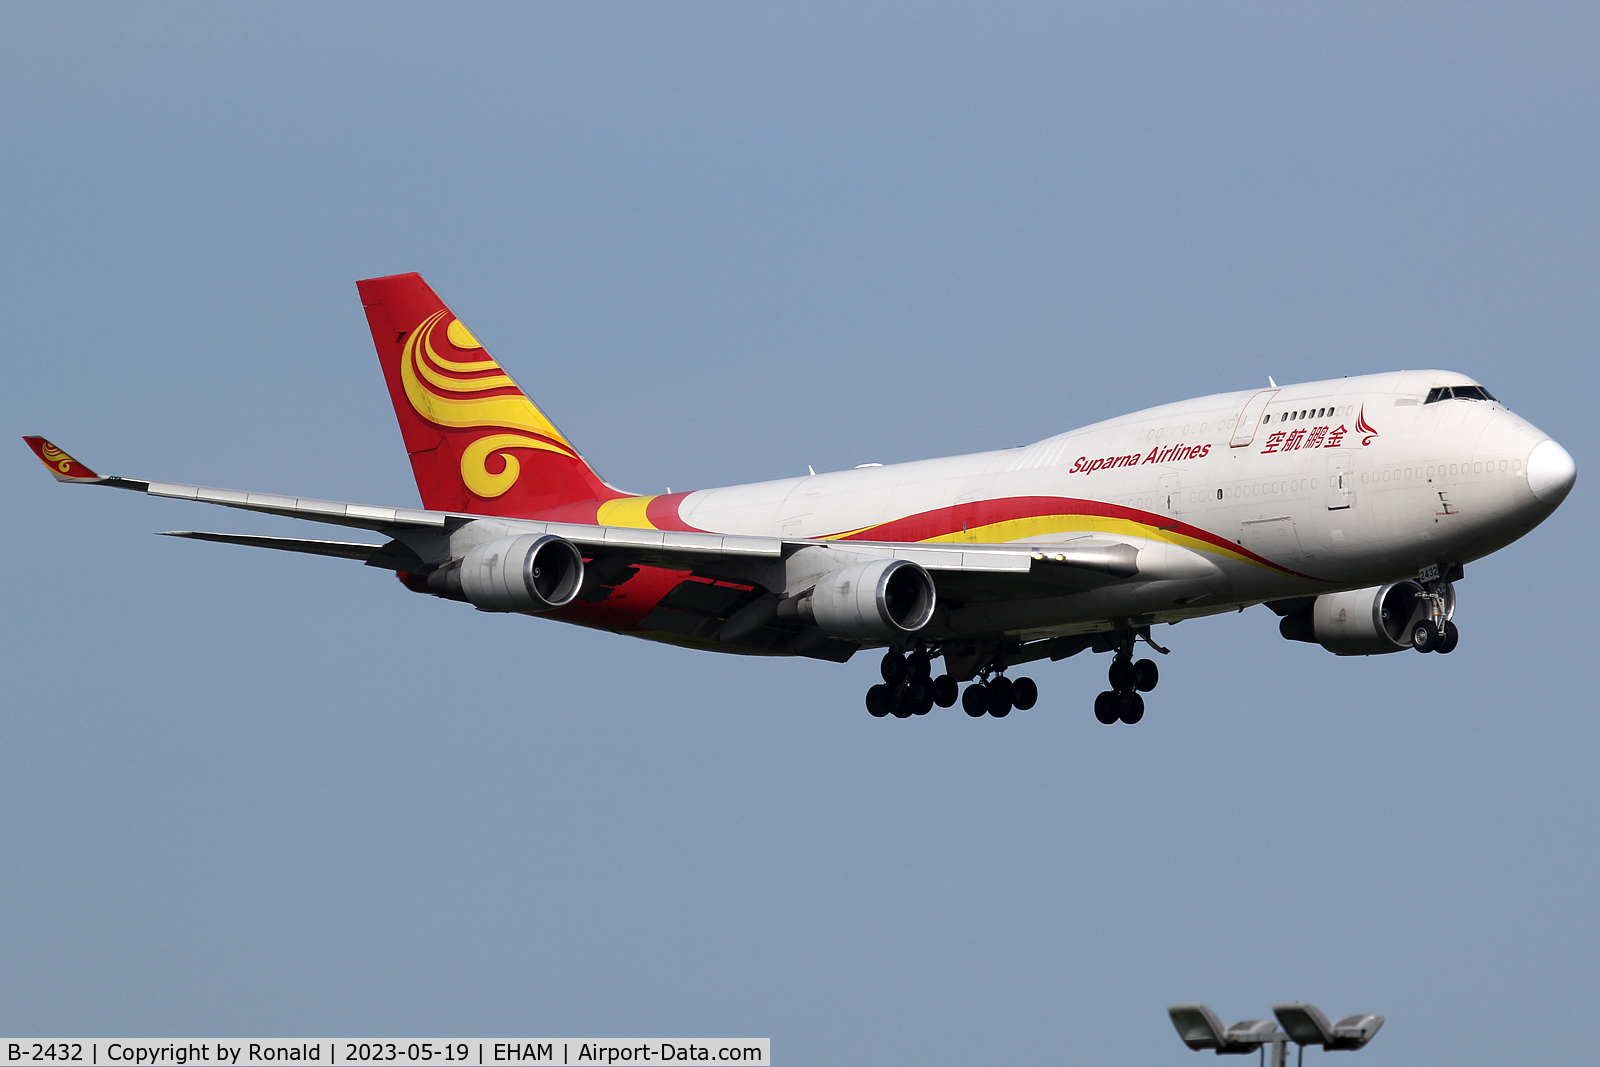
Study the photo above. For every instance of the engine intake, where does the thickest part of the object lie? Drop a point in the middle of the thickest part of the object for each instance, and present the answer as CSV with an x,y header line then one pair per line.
x,y
529,573
881,598
1363,622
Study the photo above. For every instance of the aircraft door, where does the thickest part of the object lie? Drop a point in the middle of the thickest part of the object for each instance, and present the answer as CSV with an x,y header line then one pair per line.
x,y
1341,491
1170,493
1244,431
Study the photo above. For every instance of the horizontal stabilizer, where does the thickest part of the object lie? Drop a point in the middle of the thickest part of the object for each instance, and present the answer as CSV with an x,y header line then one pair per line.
x,y
392,556
346,549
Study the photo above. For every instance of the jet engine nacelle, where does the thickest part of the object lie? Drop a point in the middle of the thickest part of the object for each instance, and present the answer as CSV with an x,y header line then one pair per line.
x,y
874,600
532,573
1363,622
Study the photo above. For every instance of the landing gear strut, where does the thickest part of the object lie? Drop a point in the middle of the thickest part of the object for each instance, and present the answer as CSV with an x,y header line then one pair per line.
x,y
1122,702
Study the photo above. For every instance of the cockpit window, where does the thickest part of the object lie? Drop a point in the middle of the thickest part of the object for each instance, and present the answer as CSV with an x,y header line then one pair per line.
x,y
1458,392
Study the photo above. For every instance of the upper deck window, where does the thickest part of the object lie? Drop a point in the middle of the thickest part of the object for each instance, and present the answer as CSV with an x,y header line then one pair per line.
x,y
1458,392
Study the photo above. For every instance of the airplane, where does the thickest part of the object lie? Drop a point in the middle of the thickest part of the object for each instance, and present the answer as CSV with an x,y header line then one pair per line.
x,y
1349,507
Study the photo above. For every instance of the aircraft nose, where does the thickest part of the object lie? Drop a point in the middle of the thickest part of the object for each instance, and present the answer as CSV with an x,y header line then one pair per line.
x,y
1551,472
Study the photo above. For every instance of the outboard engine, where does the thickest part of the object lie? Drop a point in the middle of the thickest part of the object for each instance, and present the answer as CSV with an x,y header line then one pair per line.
x,y
874,600
530,573
1366,622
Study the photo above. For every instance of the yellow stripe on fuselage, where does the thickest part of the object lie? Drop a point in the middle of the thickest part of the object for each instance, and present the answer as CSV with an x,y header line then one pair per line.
x,y
1048,526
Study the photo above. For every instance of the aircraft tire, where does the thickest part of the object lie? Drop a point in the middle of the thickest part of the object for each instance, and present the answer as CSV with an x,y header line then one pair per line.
x,y
1132,709
1024,694
893,667
1448,639
975,701
1000,702
1106,709
945,693
878,701
1121,675
918,668
920,694
1425,636
1146,675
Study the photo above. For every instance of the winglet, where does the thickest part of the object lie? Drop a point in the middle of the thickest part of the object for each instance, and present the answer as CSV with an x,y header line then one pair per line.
x,y
62,466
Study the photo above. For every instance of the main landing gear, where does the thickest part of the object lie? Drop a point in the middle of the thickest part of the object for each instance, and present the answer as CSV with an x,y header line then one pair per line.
x,y
1122,702
908,689
998,695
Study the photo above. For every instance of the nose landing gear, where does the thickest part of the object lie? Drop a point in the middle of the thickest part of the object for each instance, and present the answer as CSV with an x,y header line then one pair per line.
x,y
1433,631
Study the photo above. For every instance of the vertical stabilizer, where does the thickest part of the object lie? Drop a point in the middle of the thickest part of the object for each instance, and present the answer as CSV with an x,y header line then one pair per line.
x,y
477,443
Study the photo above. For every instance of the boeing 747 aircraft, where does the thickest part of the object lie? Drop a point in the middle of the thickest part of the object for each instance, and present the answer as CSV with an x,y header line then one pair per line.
x,y
1349,507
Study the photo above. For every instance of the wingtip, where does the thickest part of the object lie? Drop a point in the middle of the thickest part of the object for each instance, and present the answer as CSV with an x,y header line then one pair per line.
x,y
61,466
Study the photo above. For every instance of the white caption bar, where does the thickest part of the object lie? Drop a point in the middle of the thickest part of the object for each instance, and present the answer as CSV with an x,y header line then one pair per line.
x,y
339,1052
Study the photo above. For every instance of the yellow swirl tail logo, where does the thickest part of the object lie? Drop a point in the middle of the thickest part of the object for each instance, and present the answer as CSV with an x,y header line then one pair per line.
x,y
469,390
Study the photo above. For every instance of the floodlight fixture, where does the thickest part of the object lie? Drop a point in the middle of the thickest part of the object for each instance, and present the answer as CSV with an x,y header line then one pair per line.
x,y
1200,1029
1308,1026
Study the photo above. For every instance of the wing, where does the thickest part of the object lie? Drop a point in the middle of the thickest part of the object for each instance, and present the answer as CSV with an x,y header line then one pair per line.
x,y
421,540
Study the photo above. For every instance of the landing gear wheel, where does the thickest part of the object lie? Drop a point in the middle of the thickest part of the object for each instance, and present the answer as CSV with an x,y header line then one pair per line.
x,y
917,668
893,667
998,697
1448,639
1145,675
1024,694
1132,707
920,694
902,706
1425,636
1107,707
878,701
1121,675
975,701
1000,702
945,692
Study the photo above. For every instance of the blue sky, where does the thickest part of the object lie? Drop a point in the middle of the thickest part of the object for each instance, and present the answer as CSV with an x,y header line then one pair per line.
x,y
247,794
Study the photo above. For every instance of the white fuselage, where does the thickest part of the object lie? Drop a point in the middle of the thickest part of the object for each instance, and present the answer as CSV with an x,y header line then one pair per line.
x,y
1320,486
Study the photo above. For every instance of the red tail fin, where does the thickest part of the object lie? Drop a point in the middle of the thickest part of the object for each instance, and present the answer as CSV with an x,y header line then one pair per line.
x,y
477,444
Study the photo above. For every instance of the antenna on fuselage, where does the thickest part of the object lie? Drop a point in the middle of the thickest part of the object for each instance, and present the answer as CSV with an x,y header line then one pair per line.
x,y
1271,382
